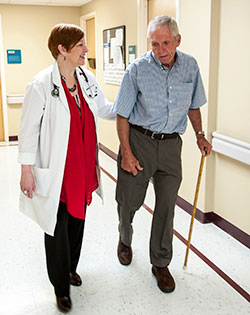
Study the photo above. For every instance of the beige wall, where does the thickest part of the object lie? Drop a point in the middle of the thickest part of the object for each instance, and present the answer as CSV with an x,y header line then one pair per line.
x,y
195,41
27,28
234,82
111,13
232,198
218,28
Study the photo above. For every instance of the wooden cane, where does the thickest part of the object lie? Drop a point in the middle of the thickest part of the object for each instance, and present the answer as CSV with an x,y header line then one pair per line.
x,y
194,208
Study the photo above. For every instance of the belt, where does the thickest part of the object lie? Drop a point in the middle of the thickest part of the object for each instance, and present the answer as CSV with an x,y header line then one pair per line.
x,y
155,135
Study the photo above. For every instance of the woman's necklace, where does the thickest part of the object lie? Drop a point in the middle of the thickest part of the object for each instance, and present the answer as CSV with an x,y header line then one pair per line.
x,y
74,86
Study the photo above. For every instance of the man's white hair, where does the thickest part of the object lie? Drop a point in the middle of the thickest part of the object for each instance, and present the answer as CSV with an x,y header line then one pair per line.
x,y
159,21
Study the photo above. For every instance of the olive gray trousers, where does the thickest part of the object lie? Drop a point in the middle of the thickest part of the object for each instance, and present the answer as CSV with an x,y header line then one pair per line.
x,y
161,161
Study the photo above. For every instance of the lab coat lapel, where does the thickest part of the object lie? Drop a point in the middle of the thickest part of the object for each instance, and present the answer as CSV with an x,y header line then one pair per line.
x,y
56,79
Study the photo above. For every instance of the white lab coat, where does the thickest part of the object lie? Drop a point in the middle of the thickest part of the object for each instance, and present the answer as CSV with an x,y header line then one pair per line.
x,y
43,140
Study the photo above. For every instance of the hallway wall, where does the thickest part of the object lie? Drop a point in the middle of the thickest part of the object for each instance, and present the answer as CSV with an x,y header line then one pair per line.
x,y
220,46
232,198
196,42
27,27
111,13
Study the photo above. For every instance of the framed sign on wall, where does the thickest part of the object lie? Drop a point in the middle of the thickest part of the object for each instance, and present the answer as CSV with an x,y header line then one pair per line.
x,y
114,54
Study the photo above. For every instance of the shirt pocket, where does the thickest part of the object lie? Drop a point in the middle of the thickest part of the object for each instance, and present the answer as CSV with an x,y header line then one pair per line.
x,y
42,181
182,94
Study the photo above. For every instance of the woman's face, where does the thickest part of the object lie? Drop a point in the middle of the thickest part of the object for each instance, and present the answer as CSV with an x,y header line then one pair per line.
x,y
76,55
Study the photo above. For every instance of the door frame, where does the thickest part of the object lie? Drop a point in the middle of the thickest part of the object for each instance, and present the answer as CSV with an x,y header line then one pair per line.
x,y
142,23
3,85
83,22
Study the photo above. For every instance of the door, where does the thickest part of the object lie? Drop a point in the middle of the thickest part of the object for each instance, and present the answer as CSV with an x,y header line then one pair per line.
x,y
1,114
90,39
161,7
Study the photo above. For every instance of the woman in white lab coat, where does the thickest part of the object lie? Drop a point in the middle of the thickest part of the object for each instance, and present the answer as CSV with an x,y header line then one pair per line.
x,y
58,152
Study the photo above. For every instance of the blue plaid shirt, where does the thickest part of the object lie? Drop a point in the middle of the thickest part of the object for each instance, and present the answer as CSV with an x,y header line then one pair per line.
x,y
158,99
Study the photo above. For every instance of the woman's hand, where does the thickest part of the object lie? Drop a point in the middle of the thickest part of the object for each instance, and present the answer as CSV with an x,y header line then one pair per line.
x,y
27,182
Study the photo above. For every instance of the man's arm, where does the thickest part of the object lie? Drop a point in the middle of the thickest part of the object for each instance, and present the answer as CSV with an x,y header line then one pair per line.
x,y
195,118
129,162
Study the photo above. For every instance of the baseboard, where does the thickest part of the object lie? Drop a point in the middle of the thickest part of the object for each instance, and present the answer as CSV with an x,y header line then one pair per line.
x,y
232,230
209,217
107,151
13,138
199,215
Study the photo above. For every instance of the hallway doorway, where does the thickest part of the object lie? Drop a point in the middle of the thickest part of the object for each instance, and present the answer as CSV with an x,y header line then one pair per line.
x,y
1,114
90,40
87,23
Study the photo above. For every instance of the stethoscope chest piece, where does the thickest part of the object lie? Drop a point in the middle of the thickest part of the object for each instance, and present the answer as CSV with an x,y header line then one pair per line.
x,y
55,91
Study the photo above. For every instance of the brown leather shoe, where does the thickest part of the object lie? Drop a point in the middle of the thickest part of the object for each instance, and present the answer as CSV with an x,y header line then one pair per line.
x,y
124,253
64,303
164,279
75,279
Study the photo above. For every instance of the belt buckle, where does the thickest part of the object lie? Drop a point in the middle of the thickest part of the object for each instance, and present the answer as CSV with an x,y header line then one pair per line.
x,y
152,136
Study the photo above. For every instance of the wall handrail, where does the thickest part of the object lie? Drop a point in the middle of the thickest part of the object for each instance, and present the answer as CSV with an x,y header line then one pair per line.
x,y
15,98
234,148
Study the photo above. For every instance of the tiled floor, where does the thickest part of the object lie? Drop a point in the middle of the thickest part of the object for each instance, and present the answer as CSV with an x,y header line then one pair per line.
x,y
108,287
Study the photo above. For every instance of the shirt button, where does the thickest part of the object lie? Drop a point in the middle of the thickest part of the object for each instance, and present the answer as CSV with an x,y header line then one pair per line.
x,y
170,101
170,88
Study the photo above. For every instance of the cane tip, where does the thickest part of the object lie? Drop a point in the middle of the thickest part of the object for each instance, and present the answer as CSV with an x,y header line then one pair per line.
x,y
185,267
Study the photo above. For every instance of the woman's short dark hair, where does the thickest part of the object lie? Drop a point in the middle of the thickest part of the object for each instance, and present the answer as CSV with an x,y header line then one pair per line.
x,y
68,35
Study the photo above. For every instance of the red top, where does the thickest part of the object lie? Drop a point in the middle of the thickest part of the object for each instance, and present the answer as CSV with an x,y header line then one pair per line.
x,y
80,178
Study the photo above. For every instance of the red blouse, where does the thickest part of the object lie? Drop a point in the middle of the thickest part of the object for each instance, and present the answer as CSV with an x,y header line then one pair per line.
x,y
80,178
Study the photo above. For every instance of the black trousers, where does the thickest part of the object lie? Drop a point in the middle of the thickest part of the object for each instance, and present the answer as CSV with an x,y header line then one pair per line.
x,y
63,250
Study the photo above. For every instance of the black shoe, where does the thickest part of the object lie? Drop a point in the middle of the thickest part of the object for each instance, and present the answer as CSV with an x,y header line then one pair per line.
x,y
75,279
164,279
64,303
124,253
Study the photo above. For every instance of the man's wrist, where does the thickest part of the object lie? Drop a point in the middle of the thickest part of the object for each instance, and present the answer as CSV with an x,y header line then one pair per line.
x,y
200,133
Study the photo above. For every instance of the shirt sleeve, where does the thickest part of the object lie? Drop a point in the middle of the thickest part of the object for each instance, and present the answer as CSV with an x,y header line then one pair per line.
x,y
127,95
199,95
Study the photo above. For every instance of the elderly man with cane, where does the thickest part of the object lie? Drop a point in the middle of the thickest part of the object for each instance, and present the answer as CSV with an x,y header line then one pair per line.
x,y
159,91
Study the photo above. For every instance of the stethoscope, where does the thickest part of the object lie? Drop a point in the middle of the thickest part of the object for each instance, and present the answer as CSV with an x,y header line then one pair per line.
x,y
91,90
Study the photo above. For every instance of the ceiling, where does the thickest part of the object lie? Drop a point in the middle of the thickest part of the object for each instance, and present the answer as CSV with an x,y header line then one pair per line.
x,y
70,3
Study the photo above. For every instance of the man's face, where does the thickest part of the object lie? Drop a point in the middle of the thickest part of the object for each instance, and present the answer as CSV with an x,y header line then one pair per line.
x,y
163,45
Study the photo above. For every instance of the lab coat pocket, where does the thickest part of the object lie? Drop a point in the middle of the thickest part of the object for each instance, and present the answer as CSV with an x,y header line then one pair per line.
x,y
42,181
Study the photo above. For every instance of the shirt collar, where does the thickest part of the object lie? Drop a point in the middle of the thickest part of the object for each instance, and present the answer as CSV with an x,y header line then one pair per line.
x,y
176,63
